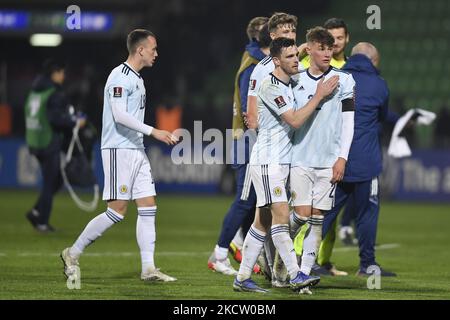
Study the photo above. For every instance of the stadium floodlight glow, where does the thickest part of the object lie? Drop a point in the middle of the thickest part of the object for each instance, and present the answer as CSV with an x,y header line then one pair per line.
x,y
45,40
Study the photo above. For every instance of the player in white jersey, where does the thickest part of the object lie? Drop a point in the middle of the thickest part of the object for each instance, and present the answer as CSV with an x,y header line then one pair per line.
x,y
321,145
269,163
280,25
125,164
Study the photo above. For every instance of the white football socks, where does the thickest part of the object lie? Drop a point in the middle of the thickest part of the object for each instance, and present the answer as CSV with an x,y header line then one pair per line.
x,y
146,236
253,244
285,246
220,253
295,223
238,239
311,243
93,230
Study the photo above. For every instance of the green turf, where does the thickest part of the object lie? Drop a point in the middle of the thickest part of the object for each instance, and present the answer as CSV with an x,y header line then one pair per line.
x,y
187,229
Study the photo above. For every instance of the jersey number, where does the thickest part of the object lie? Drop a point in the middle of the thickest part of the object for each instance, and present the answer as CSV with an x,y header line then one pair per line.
x,y
333,189
142,102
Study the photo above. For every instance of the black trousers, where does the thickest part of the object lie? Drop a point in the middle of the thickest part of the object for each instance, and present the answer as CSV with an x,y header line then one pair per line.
x,y
51,182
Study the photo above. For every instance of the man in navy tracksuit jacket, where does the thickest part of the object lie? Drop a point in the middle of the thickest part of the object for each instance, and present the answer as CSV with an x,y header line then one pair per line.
x,y
364,162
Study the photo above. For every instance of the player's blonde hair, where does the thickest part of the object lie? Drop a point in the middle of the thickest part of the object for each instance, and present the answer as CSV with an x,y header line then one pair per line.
x,y
281,18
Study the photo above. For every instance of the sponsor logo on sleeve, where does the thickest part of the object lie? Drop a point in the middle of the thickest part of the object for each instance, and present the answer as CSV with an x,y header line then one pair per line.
x,y
280,102
117,92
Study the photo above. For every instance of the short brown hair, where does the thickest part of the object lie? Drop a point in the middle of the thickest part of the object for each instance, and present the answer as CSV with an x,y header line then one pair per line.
x,y
320,35
135,37
254,26
281,18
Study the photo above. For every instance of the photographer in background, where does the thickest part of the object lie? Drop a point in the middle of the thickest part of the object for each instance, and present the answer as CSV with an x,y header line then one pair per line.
x,y
47,121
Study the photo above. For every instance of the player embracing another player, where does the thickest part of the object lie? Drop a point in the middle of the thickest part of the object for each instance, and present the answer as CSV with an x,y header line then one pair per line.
x,y
321,146
270,163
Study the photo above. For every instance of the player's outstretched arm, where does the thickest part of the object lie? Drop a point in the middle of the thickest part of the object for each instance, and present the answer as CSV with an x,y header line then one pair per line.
x,y
324,88
164,136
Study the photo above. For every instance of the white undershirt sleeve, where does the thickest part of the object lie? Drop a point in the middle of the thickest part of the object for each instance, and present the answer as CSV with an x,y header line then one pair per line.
x,y
122,117
348,124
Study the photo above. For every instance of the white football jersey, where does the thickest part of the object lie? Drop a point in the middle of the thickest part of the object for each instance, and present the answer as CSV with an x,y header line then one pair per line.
x,y
262,70
273,145
126,86
316,143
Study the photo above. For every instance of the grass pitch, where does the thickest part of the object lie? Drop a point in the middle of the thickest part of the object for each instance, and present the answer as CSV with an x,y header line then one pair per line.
x,y
413,241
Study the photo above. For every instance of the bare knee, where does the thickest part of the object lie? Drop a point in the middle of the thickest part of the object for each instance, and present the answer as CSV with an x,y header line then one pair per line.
x,y
304,211
316,212
280,213
119,206
146,202
263,219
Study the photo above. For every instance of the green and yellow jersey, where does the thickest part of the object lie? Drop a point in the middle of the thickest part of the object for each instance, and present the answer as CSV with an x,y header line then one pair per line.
x,y
334,63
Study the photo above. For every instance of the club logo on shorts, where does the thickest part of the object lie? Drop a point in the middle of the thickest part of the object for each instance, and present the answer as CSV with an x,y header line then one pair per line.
x,y
252,84
280,101
117,92
277,191
123,189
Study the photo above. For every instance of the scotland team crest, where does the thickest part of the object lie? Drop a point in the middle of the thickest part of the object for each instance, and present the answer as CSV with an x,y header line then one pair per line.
x,y
277,191
123,189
